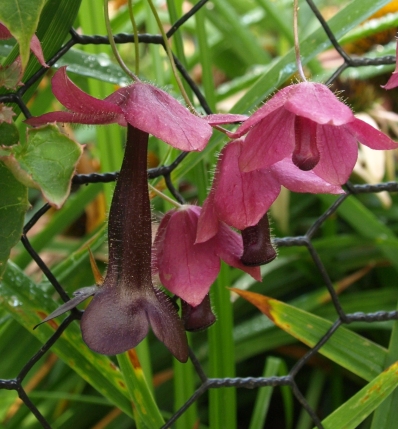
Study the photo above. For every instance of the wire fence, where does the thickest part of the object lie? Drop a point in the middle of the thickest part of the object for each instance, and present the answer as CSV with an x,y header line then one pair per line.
x,y
305,240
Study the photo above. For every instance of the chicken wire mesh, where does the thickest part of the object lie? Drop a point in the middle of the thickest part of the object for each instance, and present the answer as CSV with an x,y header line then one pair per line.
x,y
206,383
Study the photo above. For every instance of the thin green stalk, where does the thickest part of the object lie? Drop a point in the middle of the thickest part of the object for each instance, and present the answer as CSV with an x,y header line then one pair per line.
x,y
296,41
136,42
171,59
177,38
184,386
113,44
108,138
204,57
139,390
264,394
222,404
164,196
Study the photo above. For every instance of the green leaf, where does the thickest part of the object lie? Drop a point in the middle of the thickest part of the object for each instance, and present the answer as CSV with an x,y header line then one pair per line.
x,y
141,395
28,304
13,205
356,409
21,18
9,134
46,162
10,75
350,350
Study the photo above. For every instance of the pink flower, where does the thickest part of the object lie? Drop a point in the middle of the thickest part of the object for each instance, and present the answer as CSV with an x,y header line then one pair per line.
x,y
393,81
141,105
35,46
241,199
188,269
309,123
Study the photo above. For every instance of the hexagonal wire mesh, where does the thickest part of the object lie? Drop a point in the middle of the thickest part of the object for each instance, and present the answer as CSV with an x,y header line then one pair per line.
x,y
206,383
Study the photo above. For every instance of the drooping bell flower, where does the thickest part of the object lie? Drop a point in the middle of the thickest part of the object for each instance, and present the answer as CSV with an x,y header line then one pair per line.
x,y
141,105
186,268
35,45
309,124
123,308
257,246
242,199
393,81
199,317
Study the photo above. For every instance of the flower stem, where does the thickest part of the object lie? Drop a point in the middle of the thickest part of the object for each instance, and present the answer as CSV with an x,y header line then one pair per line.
x,y
136,43
171,59
296,40
113,45
164,196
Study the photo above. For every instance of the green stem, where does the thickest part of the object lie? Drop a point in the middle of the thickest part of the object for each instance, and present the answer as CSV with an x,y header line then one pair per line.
x,y
296,41
113,45
171,59
136,42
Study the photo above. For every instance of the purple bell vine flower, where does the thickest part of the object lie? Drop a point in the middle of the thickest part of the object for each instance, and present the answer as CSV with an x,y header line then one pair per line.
x,y
122,309
141,105
309,124
242,199
187,268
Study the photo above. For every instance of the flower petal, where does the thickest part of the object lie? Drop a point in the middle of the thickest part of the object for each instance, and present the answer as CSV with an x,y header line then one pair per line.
x,y
241,199
158,113
75,118
167,326
208,220
224,118
339,152
113,324
271,140
185,268
291,177
370,136
229,247
35,47
317,102
274,103
393,81
76,100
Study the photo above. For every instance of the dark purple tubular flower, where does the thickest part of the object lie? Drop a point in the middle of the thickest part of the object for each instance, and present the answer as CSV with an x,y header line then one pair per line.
x,y
119,316
187,268
242,200
199,317
257,246
309,124
141,105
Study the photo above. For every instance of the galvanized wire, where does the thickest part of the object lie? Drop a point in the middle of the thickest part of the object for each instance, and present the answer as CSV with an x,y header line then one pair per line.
x,y
165,171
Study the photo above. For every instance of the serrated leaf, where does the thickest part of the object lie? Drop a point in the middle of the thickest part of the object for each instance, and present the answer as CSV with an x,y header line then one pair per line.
x,y
28,304
348,349
13,205
21,18
6,114
356,409
10,75
46,162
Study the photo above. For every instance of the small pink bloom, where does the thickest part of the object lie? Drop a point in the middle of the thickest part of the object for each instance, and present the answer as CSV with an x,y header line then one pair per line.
x,y
308,123
141,105
241,199
188,269
393,81
35,45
